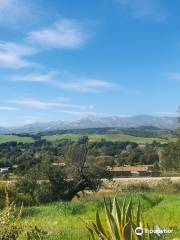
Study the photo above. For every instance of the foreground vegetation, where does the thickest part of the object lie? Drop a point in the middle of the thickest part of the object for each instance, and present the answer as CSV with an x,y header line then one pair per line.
x,y
66,221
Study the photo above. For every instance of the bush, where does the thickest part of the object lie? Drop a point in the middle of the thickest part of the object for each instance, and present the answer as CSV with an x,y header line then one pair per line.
x,y
44,194
26,199
67,208
9,222
14,196
2,194
166,186
36,234
11,194
138,187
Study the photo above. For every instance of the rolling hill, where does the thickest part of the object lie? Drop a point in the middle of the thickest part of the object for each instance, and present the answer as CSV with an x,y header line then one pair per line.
x,y
96,122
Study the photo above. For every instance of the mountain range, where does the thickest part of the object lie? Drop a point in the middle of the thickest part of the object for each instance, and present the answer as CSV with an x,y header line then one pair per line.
x,y
96,122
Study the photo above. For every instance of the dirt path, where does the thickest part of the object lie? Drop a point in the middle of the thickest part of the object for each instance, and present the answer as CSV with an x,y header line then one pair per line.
x,y
150,180
116,182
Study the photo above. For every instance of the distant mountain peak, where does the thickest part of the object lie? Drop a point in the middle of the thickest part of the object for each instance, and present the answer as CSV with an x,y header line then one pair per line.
x,y
97,122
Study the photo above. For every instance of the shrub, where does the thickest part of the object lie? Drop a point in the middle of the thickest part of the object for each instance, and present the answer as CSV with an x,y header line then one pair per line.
x,y
9,222
153,200
44,194
26,199
167,186
14,196
3,192
28,186
140,187
36,234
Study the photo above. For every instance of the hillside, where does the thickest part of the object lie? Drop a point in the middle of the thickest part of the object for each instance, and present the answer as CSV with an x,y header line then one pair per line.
x,y
96,122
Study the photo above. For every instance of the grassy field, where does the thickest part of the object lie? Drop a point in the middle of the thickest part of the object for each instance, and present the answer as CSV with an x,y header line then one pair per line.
x,y
74,137
65,221
107,137
13,138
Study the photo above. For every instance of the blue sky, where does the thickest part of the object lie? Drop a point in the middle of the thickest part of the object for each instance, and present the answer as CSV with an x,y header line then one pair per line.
x,y
66,59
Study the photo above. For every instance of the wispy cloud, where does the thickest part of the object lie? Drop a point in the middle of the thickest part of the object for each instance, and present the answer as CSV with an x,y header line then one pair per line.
x,y
149,9
42,78
29,121
13,55
67,81
7,108
34,103
66,33
167,114
80,113
174,76
14,11
88,85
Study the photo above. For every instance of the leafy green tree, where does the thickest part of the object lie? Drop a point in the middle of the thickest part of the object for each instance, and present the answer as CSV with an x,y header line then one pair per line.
x,y
77,175
170,159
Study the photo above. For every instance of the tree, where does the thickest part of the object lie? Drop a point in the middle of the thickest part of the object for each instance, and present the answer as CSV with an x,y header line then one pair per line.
x,y
77,175
170,159
28,185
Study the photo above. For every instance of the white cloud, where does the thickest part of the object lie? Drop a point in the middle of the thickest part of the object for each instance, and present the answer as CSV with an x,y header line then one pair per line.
x,y
43,78
17,49
150,9
34,103
6,108
12,55
88,85
66,81
80,113
174,76
64,34
29,121
13,11
167,114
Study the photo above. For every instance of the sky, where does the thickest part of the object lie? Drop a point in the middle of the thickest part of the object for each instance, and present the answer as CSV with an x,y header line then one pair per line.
x,y
66,59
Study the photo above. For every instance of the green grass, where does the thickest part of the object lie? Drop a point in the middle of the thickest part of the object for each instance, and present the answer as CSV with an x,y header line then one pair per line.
x,y
74,137
107,137
65,221
122,138
59,137
14,138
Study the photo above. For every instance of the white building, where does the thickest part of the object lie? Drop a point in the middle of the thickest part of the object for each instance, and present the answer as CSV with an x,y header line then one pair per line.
x,y
4,169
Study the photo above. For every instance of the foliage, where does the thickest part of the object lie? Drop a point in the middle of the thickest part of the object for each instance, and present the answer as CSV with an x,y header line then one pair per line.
x,y
121,223
36,234
9,221
27,187
170,157
63,220
77,175
25,157
140,187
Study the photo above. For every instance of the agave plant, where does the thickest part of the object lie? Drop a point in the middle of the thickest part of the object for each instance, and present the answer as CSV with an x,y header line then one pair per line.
x,y
121,223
